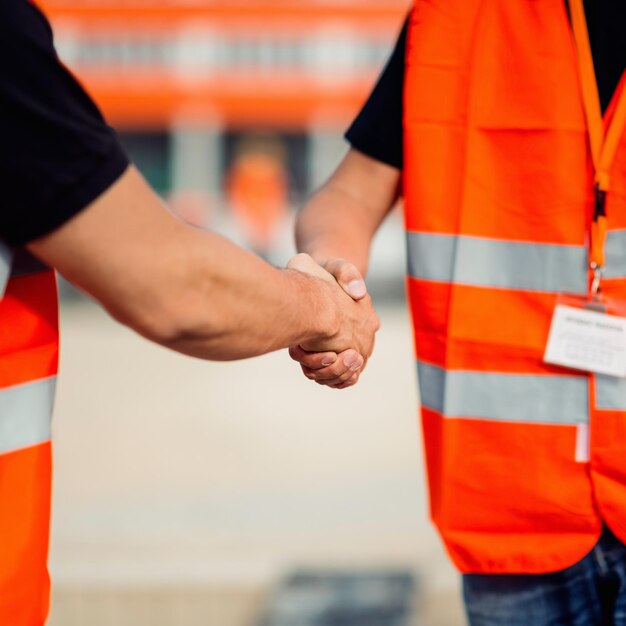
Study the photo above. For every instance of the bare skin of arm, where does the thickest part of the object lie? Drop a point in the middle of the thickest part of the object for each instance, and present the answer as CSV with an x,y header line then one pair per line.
x,y
336,228
194,291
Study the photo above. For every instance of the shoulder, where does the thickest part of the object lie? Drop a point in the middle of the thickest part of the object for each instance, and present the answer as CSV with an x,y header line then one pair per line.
x,y
21,20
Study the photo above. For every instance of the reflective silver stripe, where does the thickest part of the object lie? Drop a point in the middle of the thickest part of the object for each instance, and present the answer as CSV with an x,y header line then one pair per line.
x,y
6,255
530,398
496,263
610,393
25,412
615,250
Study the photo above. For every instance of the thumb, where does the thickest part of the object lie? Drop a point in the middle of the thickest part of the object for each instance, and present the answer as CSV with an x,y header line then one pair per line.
x,y
304,263
348,277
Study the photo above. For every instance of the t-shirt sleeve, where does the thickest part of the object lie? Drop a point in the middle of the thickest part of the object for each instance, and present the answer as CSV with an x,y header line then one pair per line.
x,y
57,154
377,129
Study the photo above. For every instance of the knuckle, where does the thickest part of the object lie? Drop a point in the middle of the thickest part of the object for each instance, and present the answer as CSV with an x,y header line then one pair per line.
x,y
297,354
342,378
308,373
349,376
309,362
334,371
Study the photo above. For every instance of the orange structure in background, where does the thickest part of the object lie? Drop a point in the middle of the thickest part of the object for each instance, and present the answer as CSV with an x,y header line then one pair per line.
x,y
280,63
188,81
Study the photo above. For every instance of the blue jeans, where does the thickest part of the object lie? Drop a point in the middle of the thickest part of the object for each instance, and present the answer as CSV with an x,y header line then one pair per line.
x,y
590,593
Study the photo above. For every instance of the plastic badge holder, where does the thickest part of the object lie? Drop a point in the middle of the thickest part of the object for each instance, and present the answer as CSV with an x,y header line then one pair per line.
x,y
588,333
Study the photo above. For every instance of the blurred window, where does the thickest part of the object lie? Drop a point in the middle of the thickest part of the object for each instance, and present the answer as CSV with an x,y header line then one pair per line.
x,y
239,51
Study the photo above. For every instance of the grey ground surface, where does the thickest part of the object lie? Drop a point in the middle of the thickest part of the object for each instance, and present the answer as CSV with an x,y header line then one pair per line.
x,y
184,489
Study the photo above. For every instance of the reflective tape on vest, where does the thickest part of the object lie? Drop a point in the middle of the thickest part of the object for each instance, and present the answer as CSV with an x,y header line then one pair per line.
x,y
610,393
25,412
523,398
6,256
615,251
483,262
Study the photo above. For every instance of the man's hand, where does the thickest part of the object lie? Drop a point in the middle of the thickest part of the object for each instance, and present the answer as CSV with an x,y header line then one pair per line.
x,y
190,290
335,367
340,220
348,277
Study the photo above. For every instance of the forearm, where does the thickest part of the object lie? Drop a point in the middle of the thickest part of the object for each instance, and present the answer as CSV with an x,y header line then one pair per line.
x,y
225,303
341,218
334,224
184,288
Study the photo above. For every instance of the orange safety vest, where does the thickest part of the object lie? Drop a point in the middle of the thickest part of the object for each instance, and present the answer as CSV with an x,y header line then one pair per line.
x,y
525,460
28,367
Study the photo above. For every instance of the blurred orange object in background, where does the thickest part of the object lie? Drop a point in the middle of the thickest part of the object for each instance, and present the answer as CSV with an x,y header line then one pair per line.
x,y
248,62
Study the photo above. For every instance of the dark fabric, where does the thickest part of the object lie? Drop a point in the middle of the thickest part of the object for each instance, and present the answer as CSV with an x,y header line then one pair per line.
x,y
57,154
590,593
377,129
606,22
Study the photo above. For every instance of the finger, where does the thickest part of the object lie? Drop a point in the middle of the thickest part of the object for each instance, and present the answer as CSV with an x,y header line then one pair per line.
x,y
312,360
328,382
346,364
353,380
340,384
304,263
332,382
328,378
348,277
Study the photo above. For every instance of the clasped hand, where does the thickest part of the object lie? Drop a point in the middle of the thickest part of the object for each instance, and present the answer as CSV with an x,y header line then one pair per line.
x,y
339,362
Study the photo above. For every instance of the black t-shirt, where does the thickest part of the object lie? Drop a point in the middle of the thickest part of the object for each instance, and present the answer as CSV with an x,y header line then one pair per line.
x,y
377,130
56,152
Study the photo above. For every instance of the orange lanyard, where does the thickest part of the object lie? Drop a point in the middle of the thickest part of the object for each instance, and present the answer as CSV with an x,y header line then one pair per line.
x,y
603,145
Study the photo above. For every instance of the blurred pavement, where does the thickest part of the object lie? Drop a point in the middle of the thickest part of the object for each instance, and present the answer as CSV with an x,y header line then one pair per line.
x,y
185,489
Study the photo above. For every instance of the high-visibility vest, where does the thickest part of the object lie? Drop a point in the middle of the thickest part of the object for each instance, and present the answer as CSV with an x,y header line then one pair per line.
x,y
28,367
525,460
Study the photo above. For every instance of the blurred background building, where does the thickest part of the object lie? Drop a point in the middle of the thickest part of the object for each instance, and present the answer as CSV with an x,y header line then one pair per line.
x,y
233,109
185,491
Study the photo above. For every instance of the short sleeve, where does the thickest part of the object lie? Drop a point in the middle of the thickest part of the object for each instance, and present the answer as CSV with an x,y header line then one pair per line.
x,y
377,129
57,153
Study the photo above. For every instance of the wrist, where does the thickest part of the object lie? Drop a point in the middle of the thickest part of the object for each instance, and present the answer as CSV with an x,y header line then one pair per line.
x,y
317,316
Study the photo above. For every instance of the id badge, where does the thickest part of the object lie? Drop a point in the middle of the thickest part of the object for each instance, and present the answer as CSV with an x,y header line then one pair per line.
x,y
589,334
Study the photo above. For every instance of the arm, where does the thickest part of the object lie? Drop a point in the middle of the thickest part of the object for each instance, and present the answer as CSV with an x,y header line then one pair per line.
x,y
336,228
341,218
191,290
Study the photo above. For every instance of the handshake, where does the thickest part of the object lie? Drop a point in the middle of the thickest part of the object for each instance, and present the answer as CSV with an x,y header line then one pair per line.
x,y
337,358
